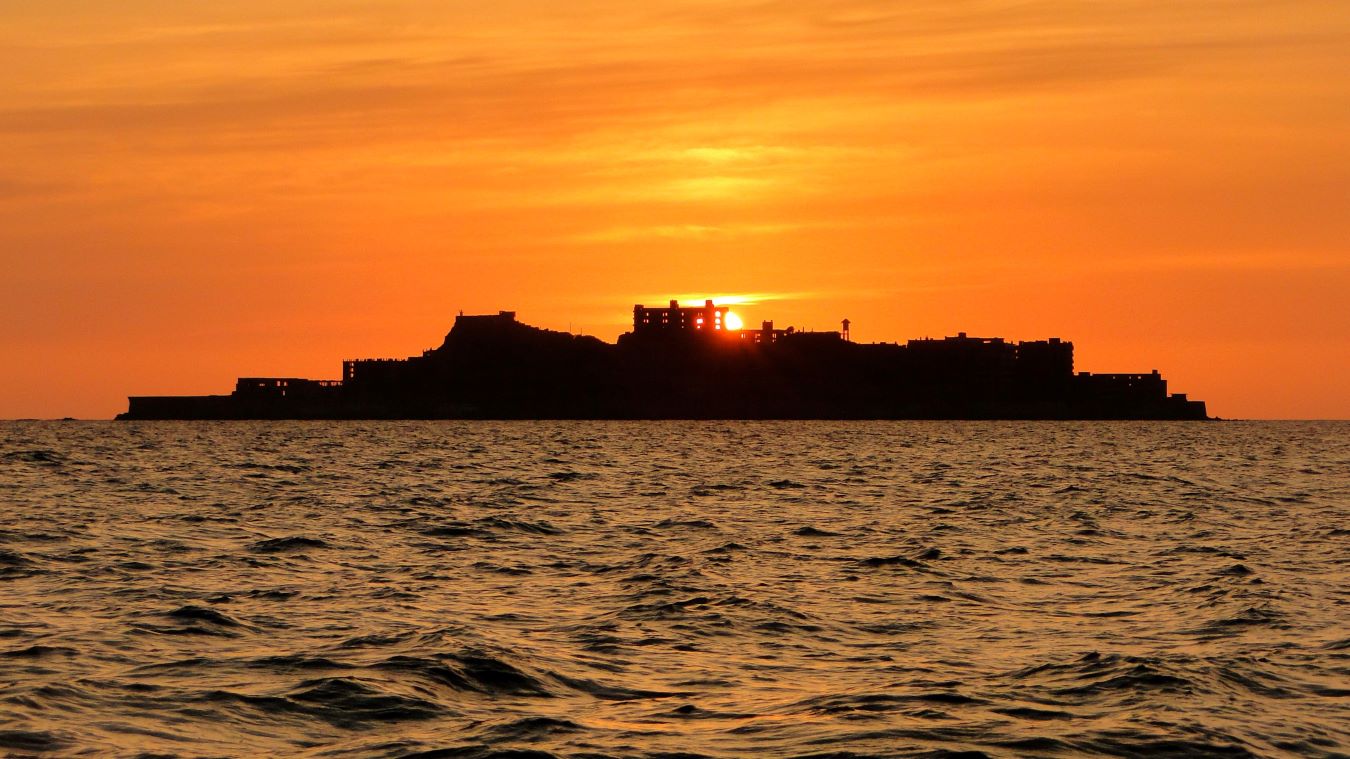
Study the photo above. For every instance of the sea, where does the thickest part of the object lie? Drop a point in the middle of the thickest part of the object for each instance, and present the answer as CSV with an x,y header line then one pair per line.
x,y
675,590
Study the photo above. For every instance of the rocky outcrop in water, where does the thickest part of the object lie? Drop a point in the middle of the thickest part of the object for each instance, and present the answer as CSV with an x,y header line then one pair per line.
x,y
673,367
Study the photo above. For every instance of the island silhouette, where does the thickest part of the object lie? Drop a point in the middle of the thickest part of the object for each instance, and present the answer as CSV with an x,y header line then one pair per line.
x,y
692,362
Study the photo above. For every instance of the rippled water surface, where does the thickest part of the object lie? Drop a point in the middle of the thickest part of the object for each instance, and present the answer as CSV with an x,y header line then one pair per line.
x,y
579,589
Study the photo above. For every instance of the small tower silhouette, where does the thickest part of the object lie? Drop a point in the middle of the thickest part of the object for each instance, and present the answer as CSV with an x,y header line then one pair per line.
x,y
844,333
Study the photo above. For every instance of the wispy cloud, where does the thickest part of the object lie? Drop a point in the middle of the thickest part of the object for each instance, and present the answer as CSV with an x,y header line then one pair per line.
x,y
725,299
693,232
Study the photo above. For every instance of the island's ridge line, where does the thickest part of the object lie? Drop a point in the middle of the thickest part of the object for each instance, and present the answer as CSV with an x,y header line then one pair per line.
x,y
682,362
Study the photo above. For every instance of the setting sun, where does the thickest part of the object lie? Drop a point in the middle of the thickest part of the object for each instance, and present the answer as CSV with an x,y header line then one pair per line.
x,y
733,321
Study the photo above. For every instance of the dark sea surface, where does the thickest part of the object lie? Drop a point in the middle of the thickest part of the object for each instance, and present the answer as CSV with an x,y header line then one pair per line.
x,y
597,589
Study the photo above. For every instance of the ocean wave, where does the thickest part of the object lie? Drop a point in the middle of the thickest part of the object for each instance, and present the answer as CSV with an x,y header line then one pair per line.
x,y
617,590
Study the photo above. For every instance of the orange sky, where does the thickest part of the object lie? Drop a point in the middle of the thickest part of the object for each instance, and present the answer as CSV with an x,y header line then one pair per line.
x,y
195,191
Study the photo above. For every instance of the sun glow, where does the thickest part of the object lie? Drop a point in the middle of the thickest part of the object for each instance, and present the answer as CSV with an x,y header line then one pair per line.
x,y
733,322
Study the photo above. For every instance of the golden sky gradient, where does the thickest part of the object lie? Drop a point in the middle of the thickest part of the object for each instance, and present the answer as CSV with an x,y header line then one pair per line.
x,y
192,191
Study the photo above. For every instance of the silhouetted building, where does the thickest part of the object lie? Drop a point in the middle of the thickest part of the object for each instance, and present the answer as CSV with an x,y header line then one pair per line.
x,y
372,371
685,362
705,318
1044,368
765,335
283,387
